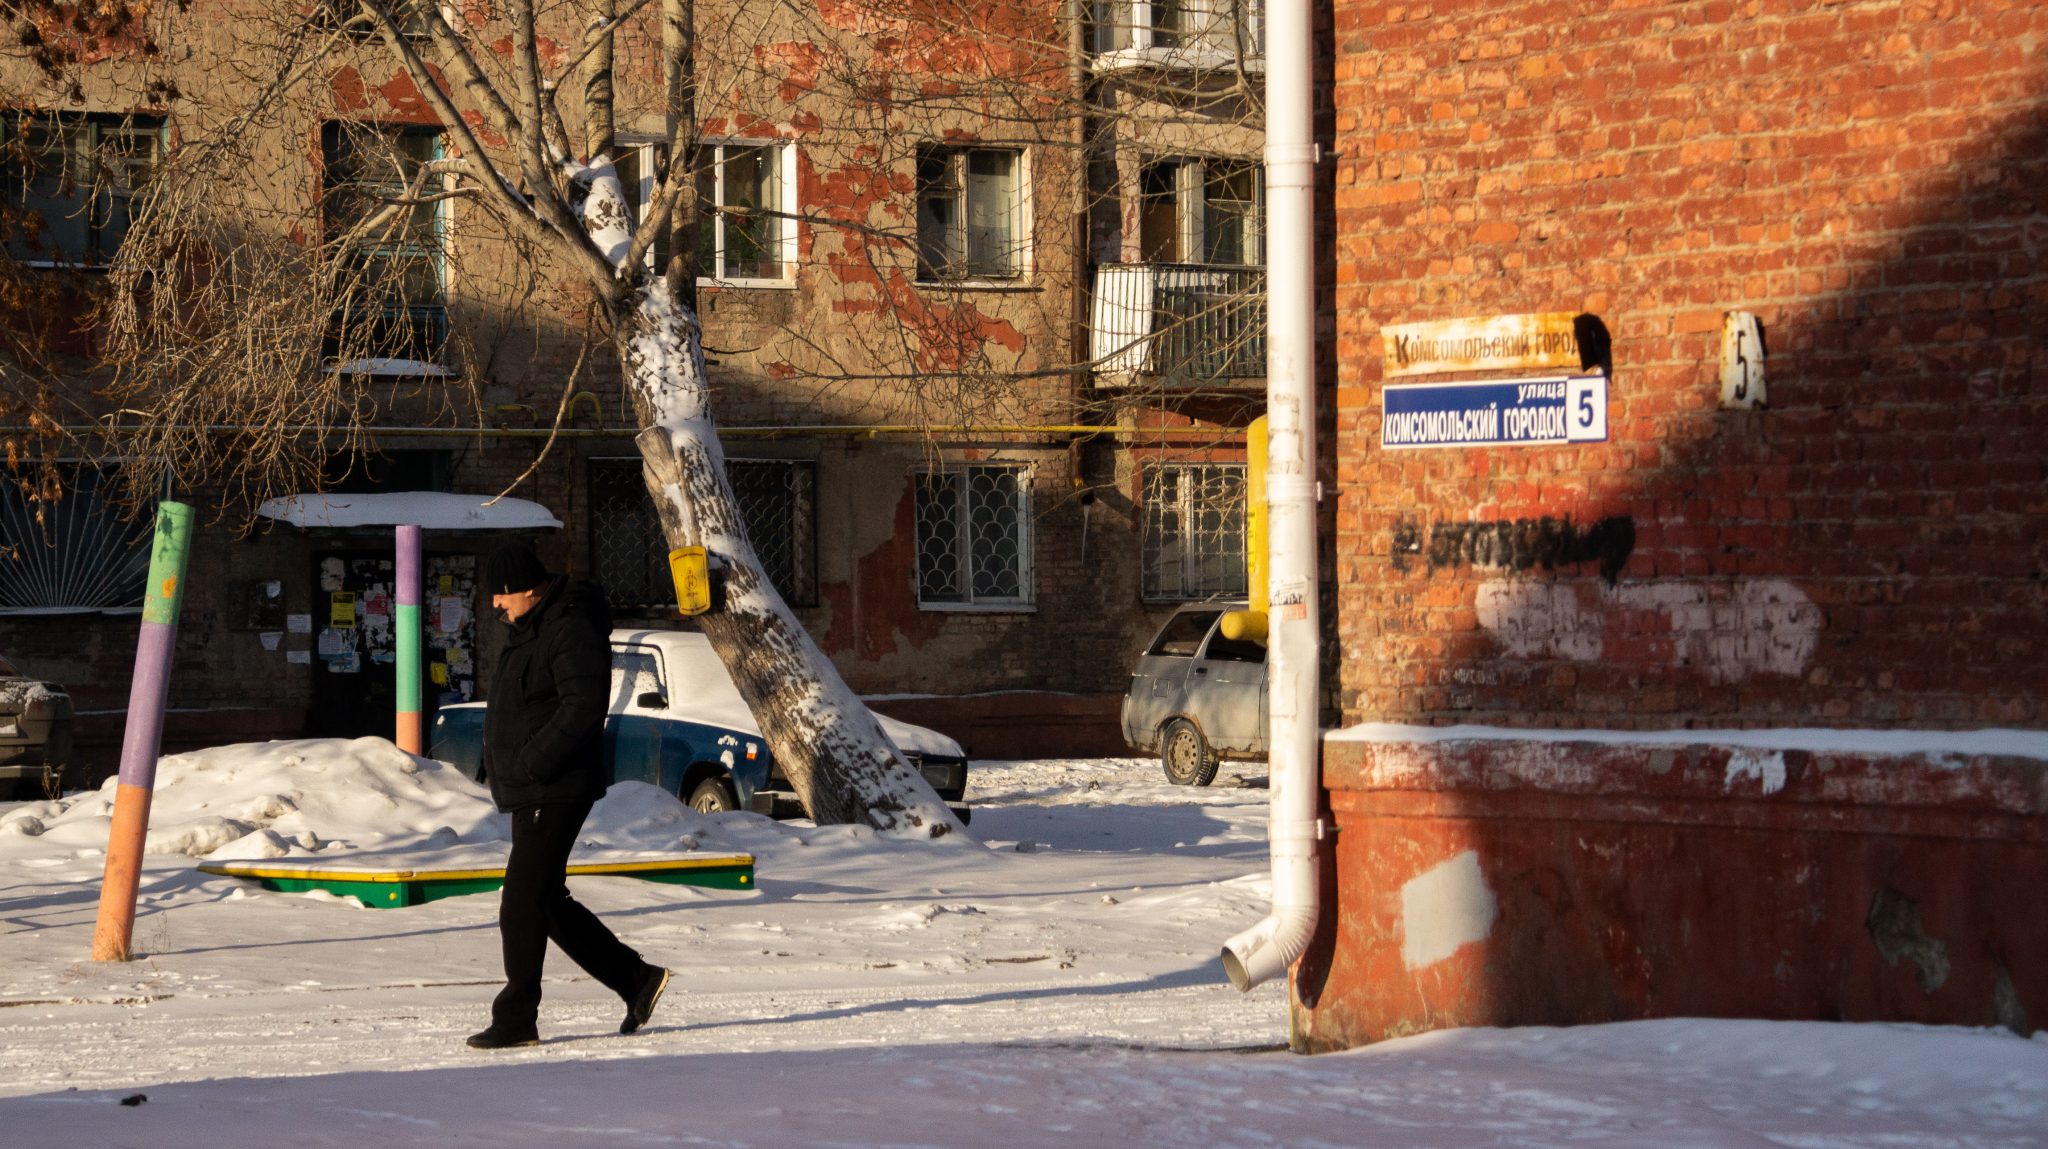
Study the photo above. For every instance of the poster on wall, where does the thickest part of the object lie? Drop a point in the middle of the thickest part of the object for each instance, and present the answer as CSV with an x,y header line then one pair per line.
x,y
357,644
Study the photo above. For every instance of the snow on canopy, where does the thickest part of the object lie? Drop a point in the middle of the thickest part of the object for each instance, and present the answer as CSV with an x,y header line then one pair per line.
x,y
433,510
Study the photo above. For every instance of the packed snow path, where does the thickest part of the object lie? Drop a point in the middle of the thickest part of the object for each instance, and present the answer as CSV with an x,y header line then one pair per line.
x,y
1060,988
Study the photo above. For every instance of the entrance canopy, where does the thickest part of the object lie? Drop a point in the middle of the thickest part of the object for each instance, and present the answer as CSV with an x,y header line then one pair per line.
x,y
429,510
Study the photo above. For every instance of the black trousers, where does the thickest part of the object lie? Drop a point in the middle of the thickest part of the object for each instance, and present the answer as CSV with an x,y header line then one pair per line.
x,y
535,908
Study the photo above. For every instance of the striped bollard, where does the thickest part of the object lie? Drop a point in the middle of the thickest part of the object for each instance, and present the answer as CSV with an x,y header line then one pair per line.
x,y
411,728
144,734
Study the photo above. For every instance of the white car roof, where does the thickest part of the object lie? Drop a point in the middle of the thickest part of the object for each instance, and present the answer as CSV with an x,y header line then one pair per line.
x,y
700,687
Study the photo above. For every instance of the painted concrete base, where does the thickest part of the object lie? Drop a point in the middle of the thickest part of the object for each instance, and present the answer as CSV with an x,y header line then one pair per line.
x,y
1523,883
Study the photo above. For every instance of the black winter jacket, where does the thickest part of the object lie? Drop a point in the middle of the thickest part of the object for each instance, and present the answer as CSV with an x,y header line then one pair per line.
x,y
544,725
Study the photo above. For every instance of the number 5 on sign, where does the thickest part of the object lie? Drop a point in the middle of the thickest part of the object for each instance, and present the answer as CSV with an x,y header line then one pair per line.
x,y
1585,412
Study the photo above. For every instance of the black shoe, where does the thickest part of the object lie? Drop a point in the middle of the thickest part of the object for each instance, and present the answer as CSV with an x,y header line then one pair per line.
x,y
640,1006
496,1038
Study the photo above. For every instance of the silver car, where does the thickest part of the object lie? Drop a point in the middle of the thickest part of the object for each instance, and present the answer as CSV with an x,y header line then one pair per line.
x,y
1197,697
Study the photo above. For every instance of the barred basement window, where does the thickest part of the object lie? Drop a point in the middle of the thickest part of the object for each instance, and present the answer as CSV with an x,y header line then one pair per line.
x,y
1194,530
81,557
777,503
974,537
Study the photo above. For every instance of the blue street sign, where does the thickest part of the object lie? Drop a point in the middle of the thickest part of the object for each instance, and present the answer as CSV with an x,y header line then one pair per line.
x,y
1497,413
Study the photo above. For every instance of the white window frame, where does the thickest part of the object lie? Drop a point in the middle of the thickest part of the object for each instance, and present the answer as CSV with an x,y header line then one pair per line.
x,y
785,222
1020,208
650,162
1025,600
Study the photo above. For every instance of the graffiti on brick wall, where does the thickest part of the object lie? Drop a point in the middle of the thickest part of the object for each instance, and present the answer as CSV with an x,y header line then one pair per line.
x,y
1730,631
1517,544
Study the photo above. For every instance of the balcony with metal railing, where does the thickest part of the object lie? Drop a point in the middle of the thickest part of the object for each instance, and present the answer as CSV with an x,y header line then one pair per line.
x,y
1180,35
1179,325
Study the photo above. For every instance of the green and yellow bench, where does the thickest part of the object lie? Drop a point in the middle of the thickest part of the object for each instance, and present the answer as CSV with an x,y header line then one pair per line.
x,y
391,888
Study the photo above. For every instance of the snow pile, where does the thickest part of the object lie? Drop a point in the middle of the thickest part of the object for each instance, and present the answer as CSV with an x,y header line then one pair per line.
x,y
273,799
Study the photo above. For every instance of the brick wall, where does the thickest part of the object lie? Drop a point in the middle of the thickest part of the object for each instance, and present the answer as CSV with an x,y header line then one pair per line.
x,y
1867,178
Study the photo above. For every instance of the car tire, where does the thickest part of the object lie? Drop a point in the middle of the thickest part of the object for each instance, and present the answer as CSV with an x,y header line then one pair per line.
x,y
713,796
8,788
1185,755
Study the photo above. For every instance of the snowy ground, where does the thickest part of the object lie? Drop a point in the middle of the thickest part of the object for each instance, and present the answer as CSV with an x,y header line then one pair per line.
x,y
1058,988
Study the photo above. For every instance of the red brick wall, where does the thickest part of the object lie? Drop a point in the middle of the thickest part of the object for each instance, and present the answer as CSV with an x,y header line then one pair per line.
x,y
1868,178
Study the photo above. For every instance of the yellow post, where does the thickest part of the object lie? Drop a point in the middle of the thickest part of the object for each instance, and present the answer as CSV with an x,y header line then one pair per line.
x,y
1251,624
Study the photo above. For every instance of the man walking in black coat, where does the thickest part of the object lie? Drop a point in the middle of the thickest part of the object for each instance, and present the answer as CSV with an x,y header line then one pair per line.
x,y
544,759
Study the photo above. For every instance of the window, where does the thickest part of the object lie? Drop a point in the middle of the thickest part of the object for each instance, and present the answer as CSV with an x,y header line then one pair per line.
x,y
777,501
1201,211
1194,530
74,182
411,14
630,552
640,166
392,316
636,670
974,537
81,557
968,214
744,192
1225,26
1182,635
746,195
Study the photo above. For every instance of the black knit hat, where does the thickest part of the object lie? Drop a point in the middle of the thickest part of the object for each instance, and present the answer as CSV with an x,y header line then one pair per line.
x,y
513,568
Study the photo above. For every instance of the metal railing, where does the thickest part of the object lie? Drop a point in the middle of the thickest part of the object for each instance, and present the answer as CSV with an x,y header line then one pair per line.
x,y
1185,324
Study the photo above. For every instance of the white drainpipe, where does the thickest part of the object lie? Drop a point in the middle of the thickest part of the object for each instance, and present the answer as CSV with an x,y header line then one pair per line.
x,y
1266,950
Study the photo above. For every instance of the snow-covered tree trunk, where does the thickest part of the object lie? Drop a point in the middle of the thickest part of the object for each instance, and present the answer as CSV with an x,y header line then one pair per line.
x,y
844,768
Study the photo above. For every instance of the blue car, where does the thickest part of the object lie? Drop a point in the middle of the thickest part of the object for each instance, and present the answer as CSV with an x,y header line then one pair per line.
x,y
677,721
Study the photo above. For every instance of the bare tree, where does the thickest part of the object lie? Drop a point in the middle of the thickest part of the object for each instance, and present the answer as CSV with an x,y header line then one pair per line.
x,y
209,313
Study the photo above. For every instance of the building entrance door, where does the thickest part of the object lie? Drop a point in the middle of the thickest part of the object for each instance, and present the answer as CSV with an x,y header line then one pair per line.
x,y
355,649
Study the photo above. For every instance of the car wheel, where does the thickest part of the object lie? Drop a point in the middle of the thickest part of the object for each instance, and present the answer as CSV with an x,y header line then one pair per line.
x,y
8,787
1186,755
713,796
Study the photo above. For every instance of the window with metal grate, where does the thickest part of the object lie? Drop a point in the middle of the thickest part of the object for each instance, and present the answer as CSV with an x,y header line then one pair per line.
x,y
72,555
777,499
974,537
1194,530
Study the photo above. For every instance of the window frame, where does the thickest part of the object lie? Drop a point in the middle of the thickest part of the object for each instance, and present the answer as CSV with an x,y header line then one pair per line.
x,y
1026,599
711,224
1184,509
1193,177
86,198
957,157
437,253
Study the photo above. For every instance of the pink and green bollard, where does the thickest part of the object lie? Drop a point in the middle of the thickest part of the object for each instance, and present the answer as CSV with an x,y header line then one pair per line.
x,y
144,735
411,733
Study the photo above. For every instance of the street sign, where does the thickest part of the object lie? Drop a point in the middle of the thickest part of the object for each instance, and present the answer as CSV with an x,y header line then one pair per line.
x,y
1548,410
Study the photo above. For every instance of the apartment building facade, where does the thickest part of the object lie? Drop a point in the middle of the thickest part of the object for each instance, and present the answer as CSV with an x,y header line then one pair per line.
x,y
977,482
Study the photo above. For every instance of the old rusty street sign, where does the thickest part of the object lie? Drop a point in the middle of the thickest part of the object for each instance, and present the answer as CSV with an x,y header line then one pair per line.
x,y
1499,342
